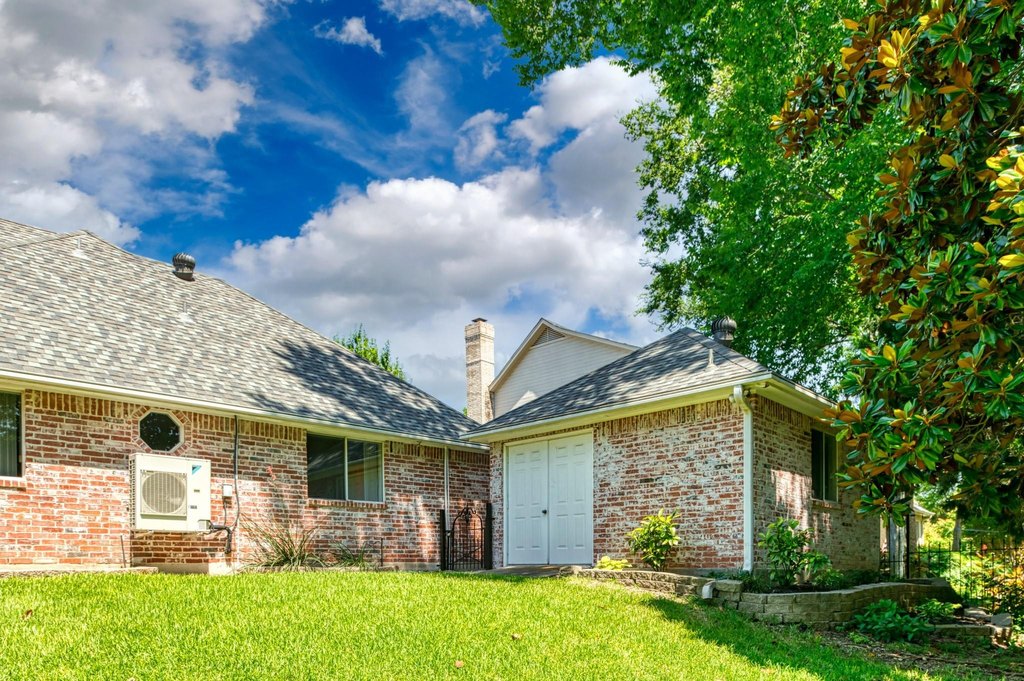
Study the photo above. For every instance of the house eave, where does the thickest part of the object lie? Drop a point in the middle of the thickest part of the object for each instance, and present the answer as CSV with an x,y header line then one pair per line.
x,y
707,393
21,380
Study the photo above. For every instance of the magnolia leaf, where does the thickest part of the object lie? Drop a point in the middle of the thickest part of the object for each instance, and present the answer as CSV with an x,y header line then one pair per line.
x,y
1011,261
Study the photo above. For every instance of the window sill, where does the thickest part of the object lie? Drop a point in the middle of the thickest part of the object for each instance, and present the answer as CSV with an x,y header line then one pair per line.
x,y
825,504
14,483
340,503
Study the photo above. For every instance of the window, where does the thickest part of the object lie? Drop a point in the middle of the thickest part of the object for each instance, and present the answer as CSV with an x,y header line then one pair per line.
x,y
344,469
10,435
823,466
160,431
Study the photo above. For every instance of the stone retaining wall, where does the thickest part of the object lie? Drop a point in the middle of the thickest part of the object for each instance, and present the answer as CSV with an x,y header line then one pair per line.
x,y
819,609
826,608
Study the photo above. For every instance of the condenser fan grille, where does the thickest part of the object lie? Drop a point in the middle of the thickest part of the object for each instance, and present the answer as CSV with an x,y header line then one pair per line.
x,y
164,493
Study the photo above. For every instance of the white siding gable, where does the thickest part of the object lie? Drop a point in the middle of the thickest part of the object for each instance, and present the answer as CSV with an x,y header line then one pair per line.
x,y
548,365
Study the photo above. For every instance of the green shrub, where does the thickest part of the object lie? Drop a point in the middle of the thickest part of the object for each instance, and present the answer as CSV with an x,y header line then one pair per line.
x,y
654,539
830,579
282,543
280,540
884,620
789,553
609,563
935,611
358,557
753,582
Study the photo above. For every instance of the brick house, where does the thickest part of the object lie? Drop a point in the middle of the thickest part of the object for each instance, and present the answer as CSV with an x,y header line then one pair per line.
x,y
685,423
107,356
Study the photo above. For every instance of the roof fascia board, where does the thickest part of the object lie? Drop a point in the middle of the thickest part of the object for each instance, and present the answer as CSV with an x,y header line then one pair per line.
x,y
19,380
703,394
795,397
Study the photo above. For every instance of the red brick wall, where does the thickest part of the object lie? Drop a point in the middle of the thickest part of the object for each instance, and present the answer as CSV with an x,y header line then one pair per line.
x,y
782,488
72,505
688,459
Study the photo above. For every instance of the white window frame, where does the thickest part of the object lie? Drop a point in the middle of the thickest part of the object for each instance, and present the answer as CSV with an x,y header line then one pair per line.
x,y
21,435
345,439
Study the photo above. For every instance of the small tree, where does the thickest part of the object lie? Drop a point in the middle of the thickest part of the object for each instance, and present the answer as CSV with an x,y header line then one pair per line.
x,y
654,539
366,347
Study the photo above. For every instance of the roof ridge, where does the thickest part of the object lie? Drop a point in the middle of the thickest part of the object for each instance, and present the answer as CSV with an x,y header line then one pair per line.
x,y
53,236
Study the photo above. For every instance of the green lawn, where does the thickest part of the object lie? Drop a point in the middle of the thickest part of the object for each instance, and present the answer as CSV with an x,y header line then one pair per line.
x,y
389,626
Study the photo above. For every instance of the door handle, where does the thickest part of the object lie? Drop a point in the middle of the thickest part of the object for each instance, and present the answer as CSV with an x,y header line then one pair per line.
x,y
545,511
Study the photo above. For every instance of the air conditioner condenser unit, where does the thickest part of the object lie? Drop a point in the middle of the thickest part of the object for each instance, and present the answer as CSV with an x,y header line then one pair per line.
x,y
170,493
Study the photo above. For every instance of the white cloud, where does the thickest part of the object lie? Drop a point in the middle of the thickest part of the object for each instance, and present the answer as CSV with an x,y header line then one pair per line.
x,y
461,11
63,208
578,98
478,139
415,259
353,32
423,98
79,78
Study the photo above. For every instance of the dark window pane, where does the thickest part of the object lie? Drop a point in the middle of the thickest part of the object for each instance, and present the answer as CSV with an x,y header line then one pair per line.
x,y
364,471
831,486
159,431
10,434
817,472
325,467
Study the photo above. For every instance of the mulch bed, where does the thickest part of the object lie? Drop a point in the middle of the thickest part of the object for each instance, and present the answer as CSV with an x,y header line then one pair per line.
x,y
930,657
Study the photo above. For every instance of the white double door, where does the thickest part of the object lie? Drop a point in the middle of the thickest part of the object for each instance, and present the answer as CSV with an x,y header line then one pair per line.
x,y
550,502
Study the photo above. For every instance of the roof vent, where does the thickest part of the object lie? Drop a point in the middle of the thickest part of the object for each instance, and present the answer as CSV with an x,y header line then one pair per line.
x,y
548,336
184,266
722,330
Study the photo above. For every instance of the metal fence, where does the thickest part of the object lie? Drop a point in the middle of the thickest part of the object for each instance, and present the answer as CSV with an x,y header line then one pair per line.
x,y
466,545
985,575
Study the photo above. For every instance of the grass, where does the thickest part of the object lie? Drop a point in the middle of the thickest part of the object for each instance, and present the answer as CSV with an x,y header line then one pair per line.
x,y
391,626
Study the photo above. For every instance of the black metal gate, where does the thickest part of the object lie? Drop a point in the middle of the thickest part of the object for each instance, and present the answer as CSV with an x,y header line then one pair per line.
x,y
466,545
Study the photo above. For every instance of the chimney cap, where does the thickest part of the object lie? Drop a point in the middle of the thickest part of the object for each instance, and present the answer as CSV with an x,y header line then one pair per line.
x,y
722,330
184,266
479,319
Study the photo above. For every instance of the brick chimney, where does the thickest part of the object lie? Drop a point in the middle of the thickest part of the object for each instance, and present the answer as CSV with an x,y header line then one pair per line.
x,y
479,369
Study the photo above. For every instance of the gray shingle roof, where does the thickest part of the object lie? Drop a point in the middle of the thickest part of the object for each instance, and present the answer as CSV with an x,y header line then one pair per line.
x,y
677,363
104,316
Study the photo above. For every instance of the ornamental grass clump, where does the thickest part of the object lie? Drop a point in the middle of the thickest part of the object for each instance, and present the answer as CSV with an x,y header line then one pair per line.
x,y
655,539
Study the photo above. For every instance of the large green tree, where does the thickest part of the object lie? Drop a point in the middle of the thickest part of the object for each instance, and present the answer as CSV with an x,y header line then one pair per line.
x,y
939,389
731,226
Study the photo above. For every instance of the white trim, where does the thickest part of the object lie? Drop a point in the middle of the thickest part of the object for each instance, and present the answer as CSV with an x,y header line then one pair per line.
x,y
504,506
22,458
705,393
19,380
740,400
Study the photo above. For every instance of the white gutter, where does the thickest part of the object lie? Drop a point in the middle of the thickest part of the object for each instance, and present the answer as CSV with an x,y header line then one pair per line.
x,y
748,476
161,400
667,396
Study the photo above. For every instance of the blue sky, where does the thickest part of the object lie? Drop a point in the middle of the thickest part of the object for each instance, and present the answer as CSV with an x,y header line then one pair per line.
x,y
352,162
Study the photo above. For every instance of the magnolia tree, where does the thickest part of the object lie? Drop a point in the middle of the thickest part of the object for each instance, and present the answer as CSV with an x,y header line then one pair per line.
x,y
937,396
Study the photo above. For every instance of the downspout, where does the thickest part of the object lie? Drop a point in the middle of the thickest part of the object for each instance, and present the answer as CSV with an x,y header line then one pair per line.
x,y
740,400
446,489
